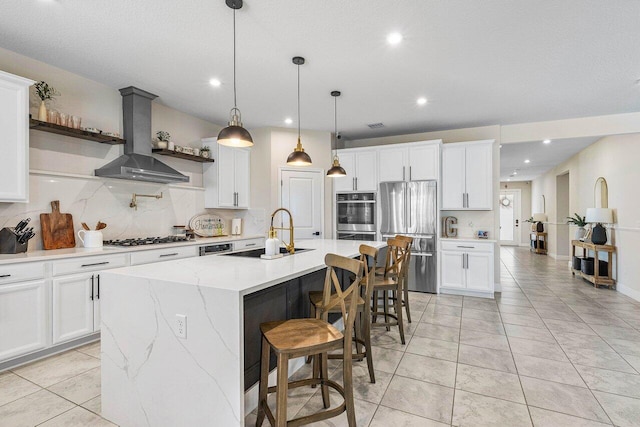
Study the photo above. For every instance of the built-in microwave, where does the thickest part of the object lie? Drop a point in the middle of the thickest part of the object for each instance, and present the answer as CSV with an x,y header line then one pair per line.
x,y
356,212
350,235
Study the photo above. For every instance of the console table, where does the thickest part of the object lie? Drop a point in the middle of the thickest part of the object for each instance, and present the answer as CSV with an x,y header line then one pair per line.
x,y
538,242
596,278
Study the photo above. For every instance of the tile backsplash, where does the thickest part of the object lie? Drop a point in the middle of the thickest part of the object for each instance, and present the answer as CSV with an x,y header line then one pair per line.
x,y
91,199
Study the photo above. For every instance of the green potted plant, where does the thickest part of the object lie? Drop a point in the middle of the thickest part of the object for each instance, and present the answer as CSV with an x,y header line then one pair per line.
x,y
579,222
163,139
205,152
45,93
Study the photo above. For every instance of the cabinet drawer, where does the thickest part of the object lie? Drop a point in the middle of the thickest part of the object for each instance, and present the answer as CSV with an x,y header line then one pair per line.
x,y
20,272
467,246
157,255
248,244
79,265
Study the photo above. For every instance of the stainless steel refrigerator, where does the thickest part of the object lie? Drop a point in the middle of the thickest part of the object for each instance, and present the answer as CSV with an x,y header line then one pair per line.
x,y
410,208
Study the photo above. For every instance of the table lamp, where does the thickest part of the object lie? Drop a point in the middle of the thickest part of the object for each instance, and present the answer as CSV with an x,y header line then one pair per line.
x,y
599,216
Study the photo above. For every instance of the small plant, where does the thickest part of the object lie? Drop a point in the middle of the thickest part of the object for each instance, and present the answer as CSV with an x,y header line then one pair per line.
x,y
45,92
163,136
530,220
205,148
577,220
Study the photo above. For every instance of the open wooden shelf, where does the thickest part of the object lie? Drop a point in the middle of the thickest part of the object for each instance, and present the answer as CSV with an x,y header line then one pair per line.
x,y
597,278
165,152
74,133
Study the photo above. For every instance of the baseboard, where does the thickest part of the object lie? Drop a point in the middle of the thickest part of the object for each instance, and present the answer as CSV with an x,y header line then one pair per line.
x,y
525,245
560,257
625,290
467,292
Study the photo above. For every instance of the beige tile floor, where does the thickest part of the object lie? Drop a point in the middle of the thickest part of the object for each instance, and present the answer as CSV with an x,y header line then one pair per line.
x,y
549,351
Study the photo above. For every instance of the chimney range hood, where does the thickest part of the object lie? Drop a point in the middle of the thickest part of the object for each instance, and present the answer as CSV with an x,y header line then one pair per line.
x,y
137,164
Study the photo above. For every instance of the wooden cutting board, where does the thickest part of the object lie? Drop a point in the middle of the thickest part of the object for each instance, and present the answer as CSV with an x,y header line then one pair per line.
x,y
57,229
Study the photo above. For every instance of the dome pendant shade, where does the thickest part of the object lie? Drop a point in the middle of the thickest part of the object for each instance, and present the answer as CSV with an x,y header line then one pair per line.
x,y
336,170
235,135
298,157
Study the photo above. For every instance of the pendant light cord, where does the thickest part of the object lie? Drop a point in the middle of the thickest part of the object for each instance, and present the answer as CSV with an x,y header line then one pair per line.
x,y
235,102
335,123
298,102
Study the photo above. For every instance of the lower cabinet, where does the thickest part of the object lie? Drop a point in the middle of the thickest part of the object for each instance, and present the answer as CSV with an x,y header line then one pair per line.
x,y
467,268
76,306
24,314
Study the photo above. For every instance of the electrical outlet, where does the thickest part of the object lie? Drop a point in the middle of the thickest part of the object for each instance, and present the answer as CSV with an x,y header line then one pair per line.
x,y
181,326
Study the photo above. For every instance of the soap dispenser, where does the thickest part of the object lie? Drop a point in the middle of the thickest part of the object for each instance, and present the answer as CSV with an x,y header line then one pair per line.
x,y
272,243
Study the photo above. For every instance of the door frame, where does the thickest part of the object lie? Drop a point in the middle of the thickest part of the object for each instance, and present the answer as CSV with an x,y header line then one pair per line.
x,y
516,215
322,190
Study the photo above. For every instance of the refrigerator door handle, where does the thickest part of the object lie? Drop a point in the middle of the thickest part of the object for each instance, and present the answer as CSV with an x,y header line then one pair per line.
x,y
403,173
409,173
421,254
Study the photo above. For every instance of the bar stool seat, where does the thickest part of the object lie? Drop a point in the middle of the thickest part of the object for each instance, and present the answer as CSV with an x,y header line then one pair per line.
x,y
296,334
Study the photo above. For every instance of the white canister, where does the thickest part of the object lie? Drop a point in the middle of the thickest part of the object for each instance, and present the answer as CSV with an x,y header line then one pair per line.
x,y
92,239
171,146
236,226
272,244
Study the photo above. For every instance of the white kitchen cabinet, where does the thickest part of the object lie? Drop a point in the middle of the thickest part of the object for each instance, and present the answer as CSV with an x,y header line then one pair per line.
x,y
24,315
227,181
415,161
360,166
467,268
74,298
467,176
166,254
14,124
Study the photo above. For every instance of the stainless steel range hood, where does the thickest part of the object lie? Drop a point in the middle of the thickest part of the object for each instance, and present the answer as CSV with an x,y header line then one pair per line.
x,y
137,164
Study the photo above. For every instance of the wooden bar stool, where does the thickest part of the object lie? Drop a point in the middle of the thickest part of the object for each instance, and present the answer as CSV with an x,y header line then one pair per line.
x,y
391,284
305,337
380,271
362,326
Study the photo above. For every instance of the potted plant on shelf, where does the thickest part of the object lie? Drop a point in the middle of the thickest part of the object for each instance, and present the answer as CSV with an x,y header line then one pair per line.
x,y
535,225
45,93
580,222
163,139
205,152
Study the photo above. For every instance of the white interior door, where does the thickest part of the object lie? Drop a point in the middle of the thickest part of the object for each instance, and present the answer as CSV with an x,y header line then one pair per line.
x,y
302,193
510,217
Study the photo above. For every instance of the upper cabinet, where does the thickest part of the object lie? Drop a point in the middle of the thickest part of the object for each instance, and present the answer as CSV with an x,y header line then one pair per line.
x,y
360,166
467,176
416,161
227,181
14,123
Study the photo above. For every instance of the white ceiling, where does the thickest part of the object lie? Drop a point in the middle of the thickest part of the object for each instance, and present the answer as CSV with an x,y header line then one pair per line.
x,y
542,157
477,62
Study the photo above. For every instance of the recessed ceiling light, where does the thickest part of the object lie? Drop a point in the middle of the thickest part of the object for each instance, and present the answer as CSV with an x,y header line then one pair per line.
x,y
215,82
508,179
527,161
288,120
500,145
515,173
546,141
421,101
394,38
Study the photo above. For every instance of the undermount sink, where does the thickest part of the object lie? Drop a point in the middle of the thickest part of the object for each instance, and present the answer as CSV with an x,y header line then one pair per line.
x,y
255,253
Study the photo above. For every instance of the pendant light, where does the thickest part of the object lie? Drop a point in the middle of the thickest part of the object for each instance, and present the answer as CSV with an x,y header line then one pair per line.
x,y
336,170
298,157
235,135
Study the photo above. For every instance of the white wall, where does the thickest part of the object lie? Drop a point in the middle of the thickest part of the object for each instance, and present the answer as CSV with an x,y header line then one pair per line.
x,y
616,159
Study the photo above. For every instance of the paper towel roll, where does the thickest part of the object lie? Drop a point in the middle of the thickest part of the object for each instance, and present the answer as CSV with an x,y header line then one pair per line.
x,y
236,226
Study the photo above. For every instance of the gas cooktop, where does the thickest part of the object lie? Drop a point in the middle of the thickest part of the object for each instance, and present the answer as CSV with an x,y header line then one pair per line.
x,y
146,241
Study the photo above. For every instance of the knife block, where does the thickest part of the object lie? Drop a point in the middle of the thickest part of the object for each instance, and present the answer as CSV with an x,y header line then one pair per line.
x,y
9,242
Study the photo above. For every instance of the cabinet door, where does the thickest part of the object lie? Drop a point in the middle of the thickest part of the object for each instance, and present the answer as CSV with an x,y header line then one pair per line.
x,y
226,176
423,162
392,164
72,307
242,176
452,271
348,163
23,318
479,171
478,271
453,182
366,171
14,123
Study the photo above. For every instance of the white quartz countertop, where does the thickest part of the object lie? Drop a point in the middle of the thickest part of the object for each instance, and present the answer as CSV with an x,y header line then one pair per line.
x,y
466,239
43,255
243,274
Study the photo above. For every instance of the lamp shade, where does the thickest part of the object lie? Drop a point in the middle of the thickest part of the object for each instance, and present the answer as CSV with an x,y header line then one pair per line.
x,y
235,136
539,217
600,215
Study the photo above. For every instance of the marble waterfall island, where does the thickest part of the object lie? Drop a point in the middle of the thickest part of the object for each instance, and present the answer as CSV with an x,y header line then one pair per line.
x,y
152,376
